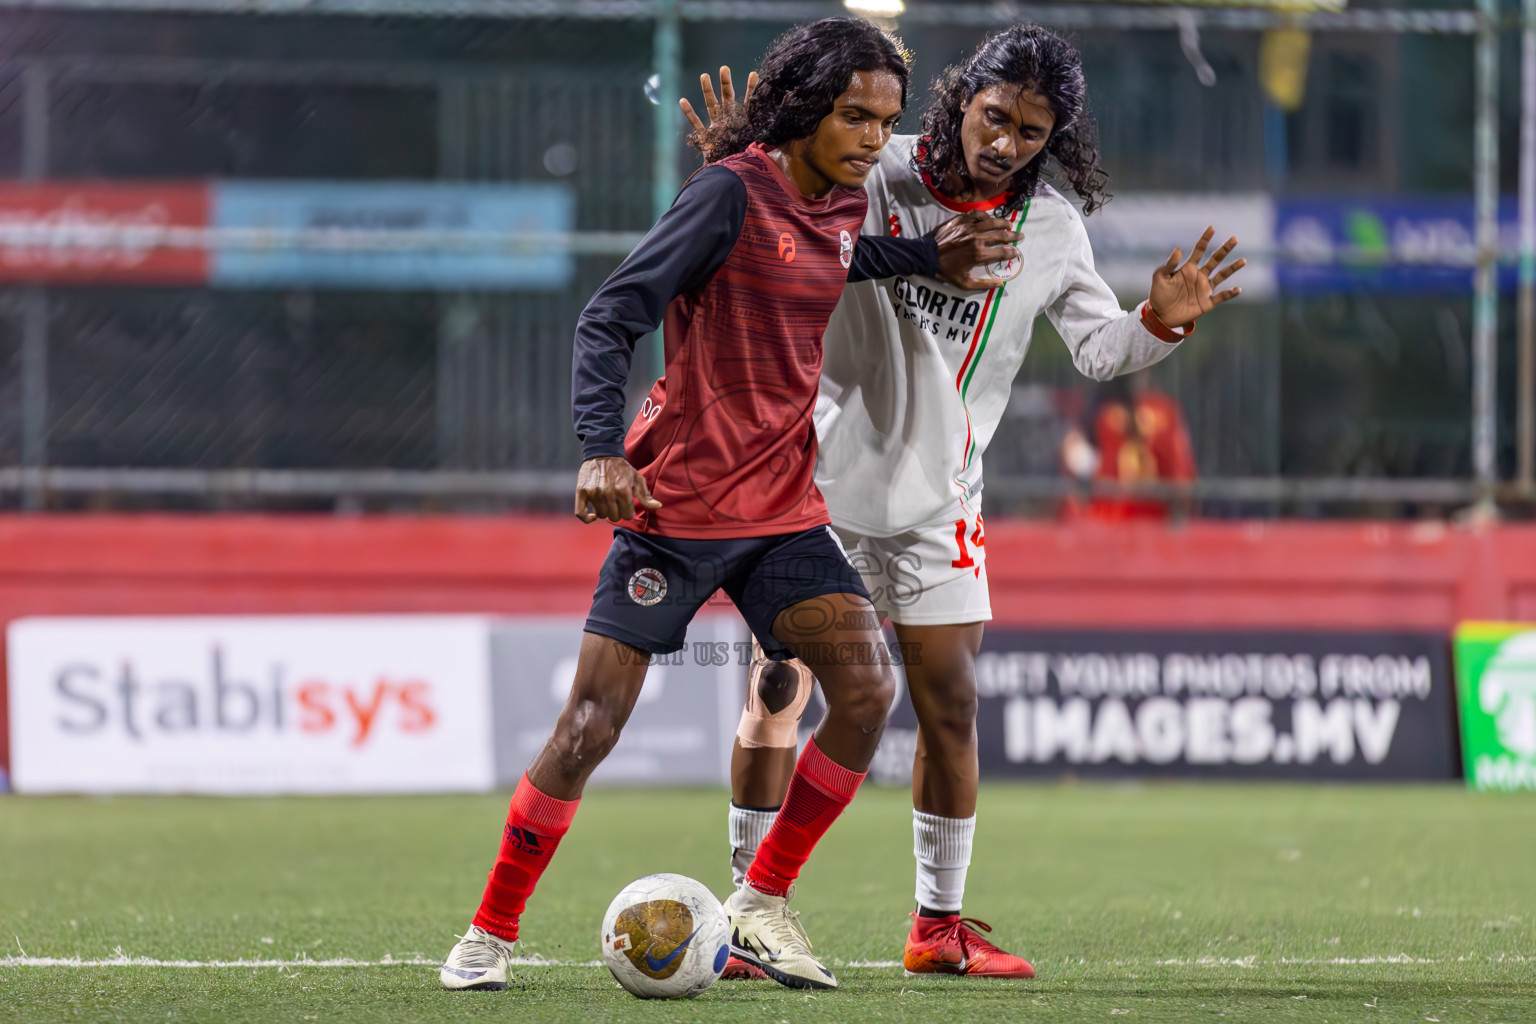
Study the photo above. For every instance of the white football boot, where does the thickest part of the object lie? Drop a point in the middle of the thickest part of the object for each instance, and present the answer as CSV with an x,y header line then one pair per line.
x,y
479,960
768,935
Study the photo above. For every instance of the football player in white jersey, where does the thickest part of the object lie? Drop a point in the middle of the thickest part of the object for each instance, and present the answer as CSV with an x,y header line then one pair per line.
x,y
915,379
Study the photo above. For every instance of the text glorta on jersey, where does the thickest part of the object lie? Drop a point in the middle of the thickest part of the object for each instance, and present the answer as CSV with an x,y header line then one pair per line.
x,y
946,316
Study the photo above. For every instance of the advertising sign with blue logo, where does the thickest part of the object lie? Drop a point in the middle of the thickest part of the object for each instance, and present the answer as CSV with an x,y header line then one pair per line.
x,y
1403,244
391,235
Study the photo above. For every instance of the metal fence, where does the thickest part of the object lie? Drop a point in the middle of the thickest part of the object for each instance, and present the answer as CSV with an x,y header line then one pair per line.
x,y
334,397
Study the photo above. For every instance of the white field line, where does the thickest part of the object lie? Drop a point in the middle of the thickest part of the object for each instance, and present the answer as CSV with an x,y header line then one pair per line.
x,y
144,961
1345,961
1242,963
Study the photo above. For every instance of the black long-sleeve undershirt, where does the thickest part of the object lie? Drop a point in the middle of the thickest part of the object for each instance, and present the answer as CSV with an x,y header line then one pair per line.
x,y
677,256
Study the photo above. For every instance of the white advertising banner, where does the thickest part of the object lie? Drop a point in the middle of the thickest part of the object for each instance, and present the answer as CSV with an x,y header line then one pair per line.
x,y
251,704
682,726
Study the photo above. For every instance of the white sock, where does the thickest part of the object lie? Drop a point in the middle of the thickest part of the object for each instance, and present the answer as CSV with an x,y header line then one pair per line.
x,y
942,847
747,828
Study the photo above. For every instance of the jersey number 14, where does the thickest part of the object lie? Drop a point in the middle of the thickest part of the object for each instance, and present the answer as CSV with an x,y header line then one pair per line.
x,y
978,539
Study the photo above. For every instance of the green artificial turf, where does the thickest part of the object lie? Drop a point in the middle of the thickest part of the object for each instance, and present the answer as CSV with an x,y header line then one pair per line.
x,y
1152,903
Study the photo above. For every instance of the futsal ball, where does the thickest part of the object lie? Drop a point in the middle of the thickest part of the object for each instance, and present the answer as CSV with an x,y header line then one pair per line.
x,y
665,937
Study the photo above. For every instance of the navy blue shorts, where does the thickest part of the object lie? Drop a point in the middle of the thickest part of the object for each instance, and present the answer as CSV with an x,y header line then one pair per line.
x,y
651,587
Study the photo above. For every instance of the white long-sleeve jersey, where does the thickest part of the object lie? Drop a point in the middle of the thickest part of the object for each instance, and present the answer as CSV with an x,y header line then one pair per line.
x,y
917,373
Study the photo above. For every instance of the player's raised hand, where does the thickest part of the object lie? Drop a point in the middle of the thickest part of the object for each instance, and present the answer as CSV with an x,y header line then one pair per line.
x,y
972,241
610,488
716,106
1184,292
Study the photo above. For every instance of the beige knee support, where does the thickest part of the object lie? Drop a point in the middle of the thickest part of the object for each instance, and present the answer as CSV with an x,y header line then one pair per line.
x,y
762,728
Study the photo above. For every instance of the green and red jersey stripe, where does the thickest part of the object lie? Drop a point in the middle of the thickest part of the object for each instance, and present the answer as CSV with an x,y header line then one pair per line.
x,y
979,339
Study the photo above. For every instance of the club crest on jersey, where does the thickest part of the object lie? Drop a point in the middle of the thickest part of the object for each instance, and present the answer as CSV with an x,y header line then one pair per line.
x,y
845,249
647,586
1006,270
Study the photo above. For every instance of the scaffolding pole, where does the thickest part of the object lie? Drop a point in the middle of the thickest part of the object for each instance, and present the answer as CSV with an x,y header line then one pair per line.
x,y
667,67
1485,310
1525,400
1236,16
35,105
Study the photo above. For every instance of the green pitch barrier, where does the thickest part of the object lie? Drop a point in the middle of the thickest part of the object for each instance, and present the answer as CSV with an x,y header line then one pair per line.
x,y
1136,902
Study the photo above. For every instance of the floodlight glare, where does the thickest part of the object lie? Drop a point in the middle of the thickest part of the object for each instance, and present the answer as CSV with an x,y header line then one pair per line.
x,y
875,8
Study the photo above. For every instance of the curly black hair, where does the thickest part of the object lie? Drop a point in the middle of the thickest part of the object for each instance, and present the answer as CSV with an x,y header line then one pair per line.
x,y
799,78
1033,58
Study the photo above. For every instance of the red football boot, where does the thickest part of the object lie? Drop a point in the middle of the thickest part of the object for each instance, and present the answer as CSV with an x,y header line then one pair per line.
x,y
951,945
737,969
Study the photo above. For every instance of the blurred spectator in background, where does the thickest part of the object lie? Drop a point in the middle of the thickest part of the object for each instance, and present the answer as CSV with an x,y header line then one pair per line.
x,y
1132,434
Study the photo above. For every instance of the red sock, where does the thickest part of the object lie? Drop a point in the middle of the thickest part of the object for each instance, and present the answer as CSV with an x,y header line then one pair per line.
x,y
535,823
818,792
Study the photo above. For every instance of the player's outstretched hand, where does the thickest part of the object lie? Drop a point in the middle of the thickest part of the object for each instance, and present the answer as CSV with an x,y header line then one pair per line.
x,y
716,106
973,241
609,488
1182,293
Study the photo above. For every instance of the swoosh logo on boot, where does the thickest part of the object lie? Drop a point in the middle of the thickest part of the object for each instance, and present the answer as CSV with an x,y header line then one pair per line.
x,y
747,946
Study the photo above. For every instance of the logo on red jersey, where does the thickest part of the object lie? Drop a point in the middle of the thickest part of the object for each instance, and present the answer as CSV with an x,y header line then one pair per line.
x,y
787,247
647,587
895,223
845,249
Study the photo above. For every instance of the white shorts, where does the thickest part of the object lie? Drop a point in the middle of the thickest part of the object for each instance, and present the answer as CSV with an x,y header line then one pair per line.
x,y
931,577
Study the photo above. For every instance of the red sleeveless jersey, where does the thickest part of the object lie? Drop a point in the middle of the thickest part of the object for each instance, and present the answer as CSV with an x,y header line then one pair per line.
x,y
725,440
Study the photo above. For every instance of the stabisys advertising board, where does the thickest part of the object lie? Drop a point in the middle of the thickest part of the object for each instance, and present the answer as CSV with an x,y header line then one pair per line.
x,y
251,704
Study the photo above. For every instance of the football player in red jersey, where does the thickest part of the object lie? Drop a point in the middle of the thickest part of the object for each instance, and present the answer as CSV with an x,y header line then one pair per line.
x,y
712,487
